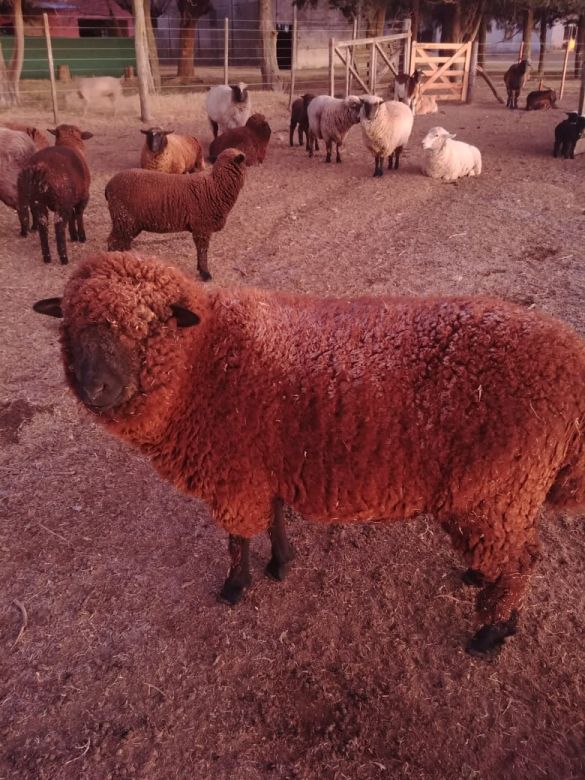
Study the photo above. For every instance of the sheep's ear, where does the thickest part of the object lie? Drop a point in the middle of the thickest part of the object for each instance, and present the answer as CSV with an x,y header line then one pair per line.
x,y
146,132
451,135
185,317
168,132
239,158
49,306
86,135
53,132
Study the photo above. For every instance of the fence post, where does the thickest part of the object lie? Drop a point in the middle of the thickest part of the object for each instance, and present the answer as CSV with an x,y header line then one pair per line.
x,y
521,52
226,49
565,65
582,92
51,68
142,64
331,67
407,28
293,58
472,71
373,69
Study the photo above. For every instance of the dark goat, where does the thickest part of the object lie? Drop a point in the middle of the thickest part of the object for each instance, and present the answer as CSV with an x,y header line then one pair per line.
x,y
514,79
56,179
541,100
567,133
252,139
299,116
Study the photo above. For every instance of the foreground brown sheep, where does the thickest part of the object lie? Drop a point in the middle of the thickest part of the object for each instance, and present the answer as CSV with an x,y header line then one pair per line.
x,y
348,410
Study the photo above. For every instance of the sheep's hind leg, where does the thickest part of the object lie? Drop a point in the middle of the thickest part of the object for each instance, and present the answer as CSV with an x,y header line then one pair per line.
x,y
41,216
282,550
73,235
61,221
79,210
378,165
337,153
239,578
396,155
202,245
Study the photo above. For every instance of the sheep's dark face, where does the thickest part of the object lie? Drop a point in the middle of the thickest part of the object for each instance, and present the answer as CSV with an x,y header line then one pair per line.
x,y
156,138
239,93
258,124
370,109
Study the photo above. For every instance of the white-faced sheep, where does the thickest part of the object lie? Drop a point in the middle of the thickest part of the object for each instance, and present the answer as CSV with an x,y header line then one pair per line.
x,y
16,149
93,88
447,159
567,133
165,203
386,128
407,88
228,106
470,409
331,119
56,179
170,152
515,78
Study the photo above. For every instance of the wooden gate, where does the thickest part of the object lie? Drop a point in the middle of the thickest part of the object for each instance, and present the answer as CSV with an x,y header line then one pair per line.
x,y
369,61
445,68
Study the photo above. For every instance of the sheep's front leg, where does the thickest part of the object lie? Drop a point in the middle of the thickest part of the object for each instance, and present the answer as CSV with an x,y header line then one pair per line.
x,y
282,551
397,153
337,153
329,147
239,577
42,219
378,165
202,245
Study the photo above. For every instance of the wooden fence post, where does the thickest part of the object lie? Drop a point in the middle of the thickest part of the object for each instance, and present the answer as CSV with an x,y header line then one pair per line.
x,y
142,64
373,69
51,68
568,49
293,59
407,28
582,92
331,67
472,71
226,50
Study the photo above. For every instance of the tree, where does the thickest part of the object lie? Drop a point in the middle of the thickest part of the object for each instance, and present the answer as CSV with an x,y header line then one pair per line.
x,y
268,62
191,11
10,76
152,10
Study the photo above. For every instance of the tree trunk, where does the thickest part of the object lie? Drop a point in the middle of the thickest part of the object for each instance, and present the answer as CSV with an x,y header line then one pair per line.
x,y
17,53
142,66
187,47
580,45
415,19
482,40
375,20
152,48
451,30
542,48
269,63
527,28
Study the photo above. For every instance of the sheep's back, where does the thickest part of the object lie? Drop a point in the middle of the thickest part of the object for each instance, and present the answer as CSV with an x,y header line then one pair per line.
x,y
16,149
59,177
182,154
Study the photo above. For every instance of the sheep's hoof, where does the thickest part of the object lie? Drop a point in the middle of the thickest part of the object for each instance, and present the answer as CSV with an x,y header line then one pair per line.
x,y
474,578
64,261
23,233
378,173
232,592
489,639
276,570
205,276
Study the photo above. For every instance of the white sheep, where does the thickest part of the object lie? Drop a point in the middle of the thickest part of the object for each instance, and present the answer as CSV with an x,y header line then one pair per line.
x,y
386,128
331,119
228,107
447,159
97,87
16,148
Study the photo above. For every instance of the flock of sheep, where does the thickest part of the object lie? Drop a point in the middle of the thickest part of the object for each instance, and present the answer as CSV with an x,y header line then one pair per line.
x,y
470,409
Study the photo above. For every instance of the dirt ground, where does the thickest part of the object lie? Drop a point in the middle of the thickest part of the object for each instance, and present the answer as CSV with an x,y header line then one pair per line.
x,y
354,668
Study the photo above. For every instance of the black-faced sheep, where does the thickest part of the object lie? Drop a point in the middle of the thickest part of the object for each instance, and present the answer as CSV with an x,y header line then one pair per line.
x,y
515,78
447,159
370,409
331,119
541,100
165,203
300,117
252,140
228,106
567,133
386,128
168,152
56,179
40,139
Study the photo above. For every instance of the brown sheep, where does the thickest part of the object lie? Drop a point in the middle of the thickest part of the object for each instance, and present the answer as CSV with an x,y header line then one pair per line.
x,y
56,179
371,409
40,139
167,152
515,78
299,116
165,203
541,100
252,139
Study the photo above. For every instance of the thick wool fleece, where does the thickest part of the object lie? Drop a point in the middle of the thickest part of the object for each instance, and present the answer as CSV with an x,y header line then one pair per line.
x,y
389,130
337,118
182,154
40,139
165,203
16,149
349,410
252,140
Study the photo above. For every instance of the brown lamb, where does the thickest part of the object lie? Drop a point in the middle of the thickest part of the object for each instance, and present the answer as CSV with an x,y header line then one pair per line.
x,y
170,152
373,409
40,139
252,139
56,179
165,203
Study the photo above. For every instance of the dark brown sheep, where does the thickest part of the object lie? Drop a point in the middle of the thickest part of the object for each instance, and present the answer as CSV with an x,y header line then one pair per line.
x,y
299,116
373,409
252,139
541,100
40,139
56,179
515,78
165,203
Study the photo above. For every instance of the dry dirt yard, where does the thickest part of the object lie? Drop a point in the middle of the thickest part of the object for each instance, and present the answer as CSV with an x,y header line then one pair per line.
x,y
354,668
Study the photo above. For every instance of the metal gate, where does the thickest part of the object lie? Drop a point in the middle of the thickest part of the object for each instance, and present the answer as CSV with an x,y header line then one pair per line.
x,y
445,68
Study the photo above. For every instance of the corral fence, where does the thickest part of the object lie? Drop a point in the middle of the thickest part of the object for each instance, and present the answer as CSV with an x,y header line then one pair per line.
x,y
445,69
370,61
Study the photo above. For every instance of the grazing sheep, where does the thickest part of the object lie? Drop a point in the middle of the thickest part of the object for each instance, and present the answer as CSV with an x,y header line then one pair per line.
x,y
169,153
386,128
300,117
541,100
56,179
252,140
567,133
164,203
40,139
228,107
95,88
515,78
425,104
331,119
371,409
447,159
16,149
407,88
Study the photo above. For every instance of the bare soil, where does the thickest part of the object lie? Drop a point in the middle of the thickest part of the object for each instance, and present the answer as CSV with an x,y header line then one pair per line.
x,y
117,660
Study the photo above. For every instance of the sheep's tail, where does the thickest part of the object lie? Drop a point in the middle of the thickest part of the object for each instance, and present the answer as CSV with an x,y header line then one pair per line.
x,y
568,489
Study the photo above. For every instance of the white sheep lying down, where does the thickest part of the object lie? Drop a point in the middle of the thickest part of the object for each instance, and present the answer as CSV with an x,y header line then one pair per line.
x,y
447,159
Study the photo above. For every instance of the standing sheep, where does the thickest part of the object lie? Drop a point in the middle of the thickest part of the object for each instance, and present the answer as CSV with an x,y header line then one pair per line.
x,y
471,409
164,203
331,119
300,117
252,140
567,133
56,179
386,128
447,159
228,106
169,153
515,78
95,88
16,149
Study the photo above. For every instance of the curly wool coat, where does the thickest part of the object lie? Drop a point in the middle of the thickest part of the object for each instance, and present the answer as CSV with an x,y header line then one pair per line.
x,y
181,154
252,140
374,409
